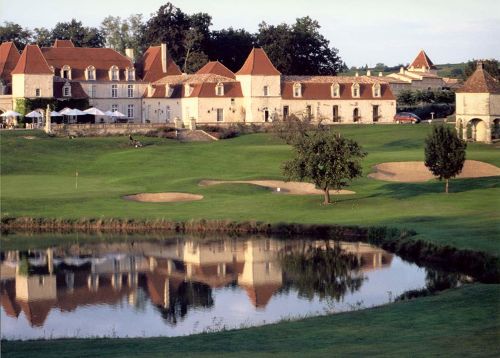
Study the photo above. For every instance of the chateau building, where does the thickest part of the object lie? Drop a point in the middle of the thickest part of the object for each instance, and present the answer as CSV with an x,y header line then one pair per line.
x,y
154,90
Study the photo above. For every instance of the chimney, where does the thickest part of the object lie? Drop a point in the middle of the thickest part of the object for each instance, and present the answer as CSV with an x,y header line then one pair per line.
x,y
129,52
402,70
380,74
368,73
164,57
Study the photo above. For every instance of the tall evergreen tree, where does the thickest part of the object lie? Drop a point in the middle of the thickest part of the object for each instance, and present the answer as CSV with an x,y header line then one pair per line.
x,y
444,153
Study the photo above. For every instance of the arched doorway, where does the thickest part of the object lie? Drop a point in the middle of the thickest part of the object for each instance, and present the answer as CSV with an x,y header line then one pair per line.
x,y
355,115
495,133
266,114
476,130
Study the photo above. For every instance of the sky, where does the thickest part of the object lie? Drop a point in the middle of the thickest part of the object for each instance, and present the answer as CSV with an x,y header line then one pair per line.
x,y
366,32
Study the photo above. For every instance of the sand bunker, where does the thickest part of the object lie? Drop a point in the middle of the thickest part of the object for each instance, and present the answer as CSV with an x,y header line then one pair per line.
x,y
412,172
293,188
163,197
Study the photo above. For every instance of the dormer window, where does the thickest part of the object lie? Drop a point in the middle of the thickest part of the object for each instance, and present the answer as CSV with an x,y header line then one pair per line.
x,y
67,90
355,90
376,90
130,73
297,90
114,73
266,90
219,89
90,73
335,90
169,90
188,89
66,72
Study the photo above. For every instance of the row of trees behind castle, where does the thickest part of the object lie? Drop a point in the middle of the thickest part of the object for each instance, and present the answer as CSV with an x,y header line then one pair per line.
x,y
192,43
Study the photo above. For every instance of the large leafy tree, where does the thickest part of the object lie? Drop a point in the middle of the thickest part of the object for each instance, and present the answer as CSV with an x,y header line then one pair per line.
x,y
492,66
230,46
11,31
299,48
121,33
326,159
42,37
185,35
80,35
444,153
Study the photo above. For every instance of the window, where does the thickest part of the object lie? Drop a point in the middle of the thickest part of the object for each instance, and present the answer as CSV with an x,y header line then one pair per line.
x,y
286,111
92,91
114,107
114,91
66,72
335,114
37,92
297,90
376,115
130,111
130,74
168,114
335,90
219,89
130,91
376,90
220,114
266,90
308,111
114,73
90,73
169,90
232,101
355,90
67,90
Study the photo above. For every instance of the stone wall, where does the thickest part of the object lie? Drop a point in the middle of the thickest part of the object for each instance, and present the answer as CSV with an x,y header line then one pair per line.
x,y
96,130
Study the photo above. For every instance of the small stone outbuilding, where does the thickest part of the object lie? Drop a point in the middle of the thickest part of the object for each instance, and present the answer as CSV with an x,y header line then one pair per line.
x,y
478,107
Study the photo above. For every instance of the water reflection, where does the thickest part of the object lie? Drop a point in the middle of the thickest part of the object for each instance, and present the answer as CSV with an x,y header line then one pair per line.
x,y
190,277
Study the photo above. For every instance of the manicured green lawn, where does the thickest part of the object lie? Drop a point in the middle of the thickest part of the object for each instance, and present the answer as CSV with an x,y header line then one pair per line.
x,y
448,324
38,179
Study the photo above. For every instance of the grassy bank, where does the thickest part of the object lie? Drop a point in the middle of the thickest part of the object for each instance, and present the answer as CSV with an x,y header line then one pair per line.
x,y
448,324
38,180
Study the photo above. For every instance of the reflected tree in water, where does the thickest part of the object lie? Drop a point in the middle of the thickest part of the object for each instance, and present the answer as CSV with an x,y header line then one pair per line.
x,y
188,295
327,272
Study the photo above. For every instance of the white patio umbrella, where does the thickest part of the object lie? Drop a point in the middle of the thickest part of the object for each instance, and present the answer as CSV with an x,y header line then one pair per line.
x,y
118,114
55,114
94,111
34,114
10,114
108,113
64,111
74,112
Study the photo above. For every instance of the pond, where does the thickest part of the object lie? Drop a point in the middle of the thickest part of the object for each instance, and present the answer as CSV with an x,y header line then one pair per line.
x,y
187,285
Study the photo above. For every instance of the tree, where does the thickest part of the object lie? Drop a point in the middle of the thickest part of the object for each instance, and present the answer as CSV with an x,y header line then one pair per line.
x,y
42,37
299,48
231,47
121,34
406,97
11,31
326,158
491,66
444,153
80,35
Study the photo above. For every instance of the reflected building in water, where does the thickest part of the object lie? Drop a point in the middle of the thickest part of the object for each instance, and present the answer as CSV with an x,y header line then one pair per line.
x,y
175,276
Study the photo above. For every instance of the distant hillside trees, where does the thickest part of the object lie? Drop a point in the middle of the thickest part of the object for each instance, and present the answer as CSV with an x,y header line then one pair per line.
x,y
491,66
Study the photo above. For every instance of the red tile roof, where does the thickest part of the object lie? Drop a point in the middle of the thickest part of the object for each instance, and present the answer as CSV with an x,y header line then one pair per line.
x,y
76,89
422,60
9,56
63,43
79,58
152,68
215,67
480,82
257,63
322,91
32,62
